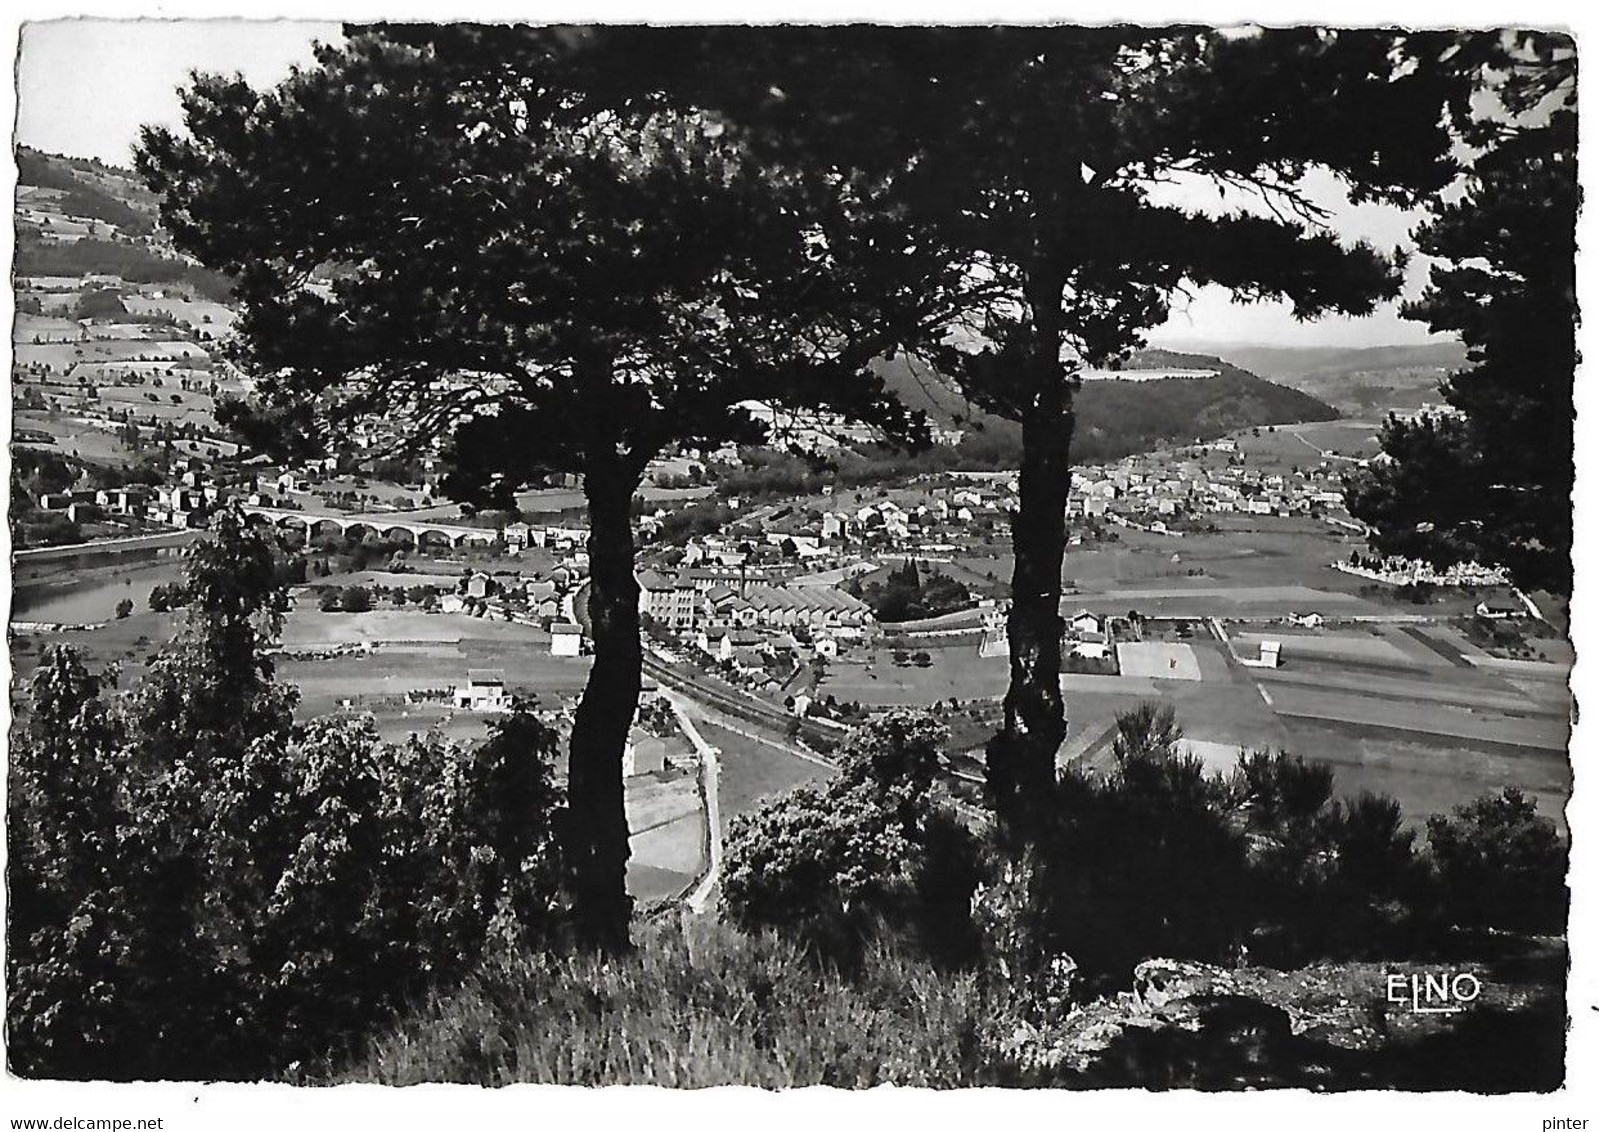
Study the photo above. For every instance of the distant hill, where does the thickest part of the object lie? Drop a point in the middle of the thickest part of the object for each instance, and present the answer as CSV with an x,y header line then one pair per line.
x,y
79,217
90,189
1117,418
1360,382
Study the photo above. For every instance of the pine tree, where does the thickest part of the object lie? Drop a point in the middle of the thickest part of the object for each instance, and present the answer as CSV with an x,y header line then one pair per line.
x,y
1035,158
474,234
1492,481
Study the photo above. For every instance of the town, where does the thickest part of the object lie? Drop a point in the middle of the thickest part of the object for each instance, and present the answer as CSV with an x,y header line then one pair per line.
x,y
1222,575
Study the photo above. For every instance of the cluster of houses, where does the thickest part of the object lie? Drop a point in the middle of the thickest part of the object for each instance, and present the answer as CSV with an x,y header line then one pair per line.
x,y
1140,486
1085,634
708,598
771,590
817,431
542,599
183,504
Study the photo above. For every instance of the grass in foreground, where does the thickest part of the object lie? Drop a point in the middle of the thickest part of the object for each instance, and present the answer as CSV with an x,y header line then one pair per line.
x,y
692,1007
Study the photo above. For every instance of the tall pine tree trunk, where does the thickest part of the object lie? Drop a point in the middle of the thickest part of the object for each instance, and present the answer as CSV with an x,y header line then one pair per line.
x,y
596,835
1021,758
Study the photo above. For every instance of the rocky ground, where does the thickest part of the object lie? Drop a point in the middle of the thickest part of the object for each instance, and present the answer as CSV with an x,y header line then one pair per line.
x,y
1324,1027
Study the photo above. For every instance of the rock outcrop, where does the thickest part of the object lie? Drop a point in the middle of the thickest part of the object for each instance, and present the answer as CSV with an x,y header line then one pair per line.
x,y
1187,1024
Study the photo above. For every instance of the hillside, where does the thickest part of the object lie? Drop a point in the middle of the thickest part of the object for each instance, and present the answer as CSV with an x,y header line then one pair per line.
x,y
115,369
1365,382
77,217
1117,418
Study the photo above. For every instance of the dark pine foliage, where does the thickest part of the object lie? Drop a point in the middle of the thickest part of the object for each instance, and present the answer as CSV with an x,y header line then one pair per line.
x,y
548,266
1030,155
1493,484
909,593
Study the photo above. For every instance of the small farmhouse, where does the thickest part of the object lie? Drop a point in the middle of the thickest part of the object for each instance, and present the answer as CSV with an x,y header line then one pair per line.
x,y
483,691
566,640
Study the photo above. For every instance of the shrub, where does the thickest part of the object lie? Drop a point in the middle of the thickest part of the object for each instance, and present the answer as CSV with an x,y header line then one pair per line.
x,y
1327,877
832,860
1157,859
1500,864
201,889
1143,861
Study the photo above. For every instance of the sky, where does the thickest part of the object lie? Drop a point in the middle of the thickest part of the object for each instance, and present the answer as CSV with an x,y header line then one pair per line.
x,y
138,67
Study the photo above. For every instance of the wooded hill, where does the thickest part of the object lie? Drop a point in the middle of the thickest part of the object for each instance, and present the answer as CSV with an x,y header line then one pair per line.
x,y
1366,381
1119,418
133,247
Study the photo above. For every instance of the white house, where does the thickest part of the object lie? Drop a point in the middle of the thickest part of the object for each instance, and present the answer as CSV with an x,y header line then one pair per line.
x,y
483,691
517,536
1499,611
566,640
1085,622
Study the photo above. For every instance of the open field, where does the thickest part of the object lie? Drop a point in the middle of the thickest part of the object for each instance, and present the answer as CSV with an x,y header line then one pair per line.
x,y
62,356
1250,551
1275,566
1432,776
956,672
754,771
412,651
1356,438
392,579
666,496
1436,719
1432,734
380,679
46,328
667,821
129,643
77,437
1377,646
1302,444
213,318
1158,660
396,722
1222,706
1206,598
1483,694
306,626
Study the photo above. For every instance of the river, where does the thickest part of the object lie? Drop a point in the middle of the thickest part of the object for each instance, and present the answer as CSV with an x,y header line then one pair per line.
x,y
84,594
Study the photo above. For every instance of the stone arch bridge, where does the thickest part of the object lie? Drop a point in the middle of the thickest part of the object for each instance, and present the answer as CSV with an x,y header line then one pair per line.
x,y
383,525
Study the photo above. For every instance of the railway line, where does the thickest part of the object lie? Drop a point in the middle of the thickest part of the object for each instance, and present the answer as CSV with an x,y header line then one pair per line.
x,y
756,712
741,707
